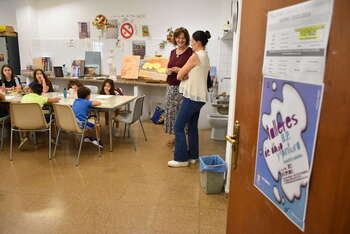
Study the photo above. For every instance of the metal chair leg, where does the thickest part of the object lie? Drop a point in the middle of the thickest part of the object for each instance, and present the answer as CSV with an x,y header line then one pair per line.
x,y
124,130
143,130
81,142
2,135
98,140
58,135
133,142
50,143
129,130
11,142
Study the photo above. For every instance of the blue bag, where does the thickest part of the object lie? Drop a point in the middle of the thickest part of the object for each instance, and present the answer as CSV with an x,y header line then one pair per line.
x,y
158,116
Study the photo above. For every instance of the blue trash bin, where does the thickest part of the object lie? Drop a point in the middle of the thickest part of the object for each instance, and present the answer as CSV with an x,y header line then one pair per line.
x,y
212,176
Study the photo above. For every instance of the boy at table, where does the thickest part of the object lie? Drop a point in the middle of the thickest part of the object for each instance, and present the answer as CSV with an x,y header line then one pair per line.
x,y
34,96
82,107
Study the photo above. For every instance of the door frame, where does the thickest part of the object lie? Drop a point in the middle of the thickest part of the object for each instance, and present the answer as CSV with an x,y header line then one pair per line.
x,y
232,101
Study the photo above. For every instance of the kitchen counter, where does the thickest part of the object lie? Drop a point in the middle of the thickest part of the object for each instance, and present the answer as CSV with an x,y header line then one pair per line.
x,y
118,81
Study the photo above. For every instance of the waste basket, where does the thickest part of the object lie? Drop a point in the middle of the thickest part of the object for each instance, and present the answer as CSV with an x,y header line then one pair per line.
x,y
212,174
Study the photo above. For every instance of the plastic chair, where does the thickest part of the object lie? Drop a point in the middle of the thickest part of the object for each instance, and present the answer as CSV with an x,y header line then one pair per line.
x,y
94,89
28,117
2,122
133,116
66,121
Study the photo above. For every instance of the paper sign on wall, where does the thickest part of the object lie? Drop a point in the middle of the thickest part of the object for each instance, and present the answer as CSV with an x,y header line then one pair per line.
x,y
127,30
130,67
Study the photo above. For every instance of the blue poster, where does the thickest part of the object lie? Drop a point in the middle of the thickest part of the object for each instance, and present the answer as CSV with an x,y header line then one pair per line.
x,y
289,114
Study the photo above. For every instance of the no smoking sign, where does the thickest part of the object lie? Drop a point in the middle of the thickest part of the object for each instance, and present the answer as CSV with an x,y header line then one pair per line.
x,y
127,30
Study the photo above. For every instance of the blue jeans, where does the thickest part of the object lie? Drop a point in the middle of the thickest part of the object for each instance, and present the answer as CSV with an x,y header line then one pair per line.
x,y
188,114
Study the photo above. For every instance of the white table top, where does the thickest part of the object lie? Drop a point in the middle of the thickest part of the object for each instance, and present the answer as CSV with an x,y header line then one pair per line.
x,y
107,101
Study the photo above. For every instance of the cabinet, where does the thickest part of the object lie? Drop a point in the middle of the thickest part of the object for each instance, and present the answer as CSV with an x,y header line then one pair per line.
x,y
9,53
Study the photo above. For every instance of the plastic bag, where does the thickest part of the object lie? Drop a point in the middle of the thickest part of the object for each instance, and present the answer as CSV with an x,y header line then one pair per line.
x,y
212,163
158,116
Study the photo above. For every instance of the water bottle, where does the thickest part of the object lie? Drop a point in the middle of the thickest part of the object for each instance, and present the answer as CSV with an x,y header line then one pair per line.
x,y
65,93
64,70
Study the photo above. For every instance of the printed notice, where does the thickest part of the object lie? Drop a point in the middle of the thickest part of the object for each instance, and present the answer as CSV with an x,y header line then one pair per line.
x,y
288,123
296,41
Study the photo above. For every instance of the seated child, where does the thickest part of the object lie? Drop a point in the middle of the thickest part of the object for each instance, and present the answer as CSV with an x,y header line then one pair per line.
x,y
82,107
40,77
9,81
74,85
109,89
34,96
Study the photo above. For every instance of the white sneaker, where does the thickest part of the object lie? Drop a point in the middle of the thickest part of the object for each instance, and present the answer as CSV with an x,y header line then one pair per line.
x,y
87,139
193,161
174,163
99,144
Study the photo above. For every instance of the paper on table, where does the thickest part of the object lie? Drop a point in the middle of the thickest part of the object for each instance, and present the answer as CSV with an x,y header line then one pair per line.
x,y
103,96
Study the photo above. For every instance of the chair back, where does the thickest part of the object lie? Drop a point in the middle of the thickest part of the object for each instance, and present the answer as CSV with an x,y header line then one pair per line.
x,y
27,116
65,118
137,109
94,89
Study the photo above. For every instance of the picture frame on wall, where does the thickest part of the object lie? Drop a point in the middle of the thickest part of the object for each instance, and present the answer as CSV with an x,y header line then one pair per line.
x,y
58,71
84,30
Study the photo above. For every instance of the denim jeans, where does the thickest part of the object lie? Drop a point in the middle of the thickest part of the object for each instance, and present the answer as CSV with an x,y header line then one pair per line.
x,y
188,114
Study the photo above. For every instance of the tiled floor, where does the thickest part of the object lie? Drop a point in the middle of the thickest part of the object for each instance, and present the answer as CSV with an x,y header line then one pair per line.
x,y
121,192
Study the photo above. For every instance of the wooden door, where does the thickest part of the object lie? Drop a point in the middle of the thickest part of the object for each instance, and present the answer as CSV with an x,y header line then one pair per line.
x,y
328,208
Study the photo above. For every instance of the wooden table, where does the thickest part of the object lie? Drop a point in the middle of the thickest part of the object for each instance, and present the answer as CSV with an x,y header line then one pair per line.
x,y
109,103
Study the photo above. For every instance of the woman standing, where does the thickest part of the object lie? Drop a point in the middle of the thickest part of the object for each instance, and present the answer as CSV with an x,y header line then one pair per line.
x,y
193,86
41,78
8,80
178,58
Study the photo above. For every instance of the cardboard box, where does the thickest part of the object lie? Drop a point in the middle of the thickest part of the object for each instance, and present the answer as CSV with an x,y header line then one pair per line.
x,y
5,28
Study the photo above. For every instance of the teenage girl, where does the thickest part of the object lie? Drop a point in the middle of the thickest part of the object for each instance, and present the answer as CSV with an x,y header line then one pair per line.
x,y
41,78
8,80
109,89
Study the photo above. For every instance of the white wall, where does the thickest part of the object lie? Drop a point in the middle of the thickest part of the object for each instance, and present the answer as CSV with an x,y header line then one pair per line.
x,y
57,24
8,13
27,27
46,27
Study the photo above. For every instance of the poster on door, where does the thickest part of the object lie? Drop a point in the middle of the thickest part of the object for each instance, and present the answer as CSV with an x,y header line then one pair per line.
x,y
296,41
288,123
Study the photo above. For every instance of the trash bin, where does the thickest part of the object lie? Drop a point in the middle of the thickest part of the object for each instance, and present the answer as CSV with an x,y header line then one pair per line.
x,y
212,174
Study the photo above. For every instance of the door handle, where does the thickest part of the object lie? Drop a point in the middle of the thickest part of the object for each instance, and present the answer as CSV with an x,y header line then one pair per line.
x,y
234,140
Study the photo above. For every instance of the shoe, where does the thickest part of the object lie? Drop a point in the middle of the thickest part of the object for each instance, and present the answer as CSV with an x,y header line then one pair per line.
x,y
99,144
88,139
193,161
23,141
174,163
